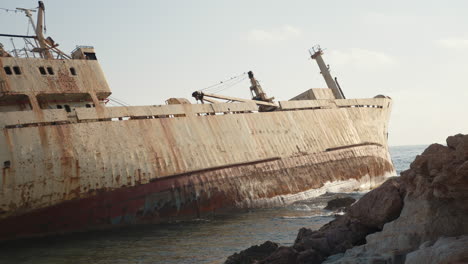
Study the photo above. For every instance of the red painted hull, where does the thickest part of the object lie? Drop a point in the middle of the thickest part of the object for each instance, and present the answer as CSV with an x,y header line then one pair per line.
x,y
197,193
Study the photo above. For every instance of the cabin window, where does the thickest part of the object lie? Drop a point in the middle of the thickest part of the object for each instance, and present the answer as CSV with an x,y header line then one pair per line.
x,y
17,70
42,70
88,106
65,101
90,55
73,71
15,102
8,70
50,70
6,164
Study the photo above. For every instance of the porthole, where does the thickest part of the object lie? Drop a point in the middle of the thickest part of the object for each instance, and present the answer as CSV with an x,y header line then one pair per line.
x,y
50,70
8,70
17,70
42,70
73,71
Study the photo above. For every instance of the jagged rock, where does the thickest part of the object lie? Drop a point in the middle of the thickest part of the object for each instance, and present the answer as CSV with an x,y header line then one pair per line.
x,y
459,143
379,206
366,216
453,141
340,234
429,201
283,255
253,254
309,256
340,202
435,206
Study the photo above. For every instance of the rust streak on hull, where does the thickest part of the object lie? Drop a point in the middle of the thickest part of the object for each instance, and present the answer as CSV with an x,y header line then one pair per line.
x,y
70,163
194,194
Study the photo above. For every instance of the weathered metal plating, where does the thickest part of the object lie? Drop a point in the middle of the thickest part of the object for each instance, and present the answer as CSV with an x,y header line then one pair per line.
x,y
70,163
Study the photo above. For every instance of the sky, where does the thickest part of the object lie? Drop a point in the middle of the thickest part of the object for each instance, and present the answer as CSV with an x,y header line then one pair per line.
x,y
415,51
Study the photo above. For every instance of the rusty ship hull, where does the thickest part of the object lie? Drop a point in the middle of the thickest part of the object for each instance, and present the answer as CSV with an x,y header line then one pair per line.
x,y
126,165
71,163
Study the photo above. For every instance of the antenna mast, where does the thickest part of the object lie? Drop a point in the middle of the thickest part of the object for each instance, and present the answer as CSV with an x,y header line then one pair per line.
x,y
316,54
29,15
39,29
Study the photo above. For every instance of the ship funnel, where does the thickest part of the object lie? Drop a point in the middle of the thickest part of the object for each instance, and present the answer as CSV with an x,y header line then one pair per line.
x,y
316,54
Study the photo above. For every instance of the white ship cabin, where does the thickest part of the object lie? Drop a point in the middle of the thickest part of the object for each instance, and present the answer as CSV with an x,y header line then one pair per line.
x,y
40,83
40,76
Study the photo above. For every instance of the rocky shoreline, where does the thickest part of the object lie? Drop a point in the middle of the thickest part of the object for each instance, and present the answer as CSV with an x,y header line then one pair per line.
x,y
420,217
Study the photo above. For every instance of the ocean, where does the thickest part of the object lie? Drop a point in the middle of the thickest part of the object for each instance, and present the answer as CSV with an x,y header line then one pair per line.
x,y
196,241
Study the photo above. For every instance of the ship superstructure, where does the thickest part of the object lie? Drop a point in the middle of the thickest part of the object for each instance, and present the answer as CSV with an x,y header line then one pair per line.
x,y
71,163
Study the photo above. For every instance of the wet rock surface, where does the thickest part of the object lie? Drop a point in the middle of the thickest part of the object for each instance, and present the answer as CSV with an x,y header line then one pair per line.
x,y
340,234
420,217
340,202
253,254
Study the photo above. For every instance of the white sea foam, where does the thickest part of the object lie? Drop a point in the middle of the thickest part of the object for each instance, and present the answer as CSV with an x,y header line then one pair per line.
x,y
302,207
309,216
351,185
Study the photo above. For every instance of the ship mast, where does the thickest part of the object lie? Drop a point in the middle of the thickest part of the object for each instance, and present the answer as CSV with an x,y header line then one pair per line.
x,y
39,32
257,90
316,54
46,47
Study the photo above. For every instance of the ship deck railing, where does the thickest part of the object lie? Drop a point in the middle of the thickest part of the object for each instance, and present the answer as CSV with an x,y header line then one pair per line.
x,y
49,117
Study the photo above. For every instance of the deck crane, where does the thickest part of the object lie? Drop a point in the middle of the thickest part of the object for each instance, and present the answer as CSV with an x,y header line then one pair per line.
x,y
259,97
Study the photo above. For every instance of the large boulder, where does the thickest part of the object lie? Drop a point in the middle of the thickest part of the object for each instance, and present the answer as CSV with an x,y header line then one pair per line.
x,y
365,217
340,202
313,246
253,254
379,206
283,255
435,206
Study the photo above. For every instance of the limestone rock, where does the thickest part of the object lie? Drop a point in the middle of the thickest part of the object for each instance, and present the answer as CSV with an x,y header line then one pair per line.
x,y
444,250
453,141
337,236
396,222
435,206
379,206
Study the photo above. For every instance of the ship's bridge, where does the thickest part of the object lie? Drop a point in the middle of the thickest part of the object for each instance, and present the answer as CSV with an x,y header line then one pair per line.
x,y
26,83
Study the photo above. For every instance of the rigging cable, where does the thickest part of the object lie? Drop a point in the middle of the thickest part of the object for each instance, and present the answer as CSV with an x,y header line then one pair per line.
x,y
230,85
9,10
115,103
222,82
118,101
16,10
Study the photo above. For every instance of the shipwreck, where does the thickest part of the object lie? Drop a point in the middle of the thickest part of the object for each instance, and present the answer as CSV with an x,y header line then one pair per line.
x,y
72,163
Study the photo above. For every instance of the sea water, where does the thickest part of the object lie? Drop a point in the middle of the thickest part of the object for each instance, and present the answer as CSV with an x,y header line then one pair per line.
x,y
197,241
